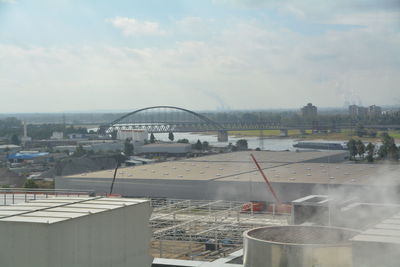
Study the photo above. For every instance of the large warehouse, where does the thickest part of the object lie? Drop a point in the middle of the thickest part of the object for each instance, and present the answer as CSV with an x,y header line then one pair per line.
x,y
233,176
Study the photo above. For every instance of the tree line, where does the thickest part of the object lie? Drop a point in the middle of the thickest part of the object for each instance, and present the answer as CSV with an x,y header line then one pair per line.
x,y
387,151
12,129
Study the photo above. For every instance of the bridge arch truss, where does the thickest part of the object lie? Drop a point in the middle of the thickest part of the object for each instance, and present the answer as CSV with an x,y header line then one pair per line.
x,y
163,119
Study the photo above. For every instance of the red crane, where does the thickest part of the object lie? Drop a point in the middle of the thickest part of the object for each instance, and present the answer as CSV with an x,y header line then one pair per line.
x,y
278,202
257,206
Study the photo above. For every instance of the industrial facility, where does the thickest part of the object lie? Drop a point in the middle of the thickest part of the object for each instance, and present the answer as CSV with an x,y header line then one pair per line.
x,y
249,209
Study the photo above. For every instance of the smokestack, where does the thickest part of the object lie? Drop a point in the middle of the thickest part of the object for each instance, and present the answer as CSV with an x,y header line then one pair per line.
x,y
25,131
25,138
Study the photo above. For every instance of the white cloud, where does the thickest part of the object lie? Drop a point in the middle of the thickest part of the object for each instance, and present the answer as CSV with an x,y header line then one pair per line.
x,y
247,64
134,27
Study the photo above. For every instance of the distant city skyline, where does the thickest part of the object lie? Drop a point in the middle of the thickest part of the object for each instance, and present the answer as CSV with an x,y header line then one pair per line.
x,y
72,55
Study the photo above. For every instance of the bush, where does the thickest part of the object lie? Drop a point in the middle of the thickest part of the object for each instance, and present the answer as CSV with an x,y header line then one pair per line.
x,y
29,183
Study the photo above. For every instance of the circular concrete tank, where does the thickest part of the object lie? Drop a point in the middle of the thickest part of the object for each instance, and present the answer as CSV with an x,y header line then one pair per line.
x,y
298,246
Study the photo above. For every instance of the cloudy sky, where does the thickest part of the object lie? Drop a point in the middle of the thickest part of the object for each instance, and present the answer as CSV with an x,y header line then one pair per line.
x,y
82,55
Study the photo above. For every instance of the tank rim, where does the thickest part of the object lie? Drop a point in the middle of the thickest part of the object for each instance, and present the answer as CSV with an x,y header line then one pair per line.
x,y
333,244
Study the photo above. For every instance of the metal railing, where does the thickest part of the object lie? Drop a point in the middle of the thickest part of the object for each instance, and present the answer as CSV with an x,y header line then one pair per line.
x,y
10,196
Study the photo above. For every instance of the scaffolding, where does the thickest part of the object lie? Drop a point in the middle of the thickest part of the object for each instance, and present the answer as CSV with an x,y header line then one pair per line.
x,y
203,229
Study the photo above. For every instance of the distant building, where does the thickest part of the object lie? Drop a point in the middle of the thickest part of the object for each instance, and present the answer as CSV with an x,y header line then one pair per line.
x,y
164,149
357,111
9,148
137,135
79,136
57,136
28,157
374,111
309,111
96,146
362,112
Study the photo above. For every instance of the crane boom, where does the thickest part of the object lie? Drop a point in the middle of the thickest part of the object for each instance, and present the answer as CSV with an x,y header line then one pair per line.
x,y
266,180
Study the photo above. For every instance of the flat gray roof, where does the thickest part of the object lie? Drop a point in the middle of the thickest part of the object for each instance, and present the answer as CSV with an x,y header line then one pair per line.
x,y
57,209
386,232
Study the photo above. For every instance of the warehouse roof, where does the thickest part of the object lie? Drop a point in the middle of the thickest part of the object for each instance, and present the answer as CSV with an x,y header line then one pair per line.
x,y
27,155
53,210
282,167
272,156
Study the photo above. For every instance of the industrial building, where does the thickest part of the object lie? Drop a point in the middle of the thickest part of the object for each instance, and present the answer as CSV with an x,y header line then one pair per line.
x,y
234,177
136,135
309,111
95,145
168,149
78,232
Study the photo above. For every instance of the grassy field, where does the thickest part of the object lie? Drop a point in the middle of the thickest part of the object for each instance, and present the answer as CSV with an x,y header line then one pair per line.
x,y
345,134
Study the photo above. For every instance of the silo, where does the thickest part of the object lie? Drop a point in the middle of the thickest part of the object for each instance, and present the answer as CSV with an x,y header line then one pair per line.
x,y
298,246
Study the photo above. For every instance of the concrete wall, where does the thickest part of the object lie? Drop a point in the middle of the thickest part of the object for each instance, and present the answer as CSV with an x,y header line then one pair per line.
x,y
373,254
188,189
117,238
219,190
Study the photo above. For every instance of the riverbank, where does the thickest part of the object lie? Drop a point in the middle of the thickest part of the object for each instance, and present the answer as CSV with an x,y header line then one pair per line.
x,y
345,134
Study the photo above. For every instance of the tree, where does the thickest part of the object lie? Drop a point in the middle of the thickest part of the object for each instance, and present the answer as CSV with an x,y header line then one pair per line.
x,y
393,152
360,130
351,146
29,183
171,136
15,140
388,149
205,145
242,144
360,148
128,148
152,138
370,151
183,141
114,135
198,145
79,151
372,133
119,158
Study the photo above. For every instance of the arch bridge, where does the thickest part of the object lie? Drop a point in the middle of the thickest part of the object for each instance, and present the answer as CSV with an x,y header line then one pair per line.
x,y
165,119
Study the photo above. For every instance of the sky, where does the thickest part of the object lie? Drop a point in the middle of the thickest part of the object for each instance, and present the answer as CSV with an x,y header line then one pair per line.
x,y
88,55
